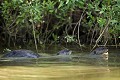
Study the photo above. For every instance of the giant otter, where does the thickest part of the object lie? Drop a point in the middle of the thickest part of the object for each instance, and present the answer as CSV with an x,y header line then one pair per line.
x,y
64,55
64,52
21,54
100,52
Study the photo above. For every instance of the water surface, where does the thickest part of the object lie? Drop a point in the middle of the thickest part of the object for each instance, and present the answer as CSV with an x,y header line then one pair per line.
x,y
51,69
59,72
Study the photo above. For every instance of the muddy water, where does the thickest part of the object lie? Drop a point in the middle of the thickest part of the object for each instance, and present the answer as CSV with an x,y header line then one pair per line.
x,y
59,72
53,70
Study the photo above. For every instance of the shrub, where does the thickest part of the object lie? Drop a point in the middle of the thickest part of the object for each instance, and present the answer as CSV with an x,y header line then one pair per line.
x,y
95,21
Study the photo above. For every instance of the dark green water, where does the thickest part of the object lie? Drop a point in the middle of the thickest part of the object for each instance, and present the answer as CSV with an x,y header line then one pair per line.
x,y
53,69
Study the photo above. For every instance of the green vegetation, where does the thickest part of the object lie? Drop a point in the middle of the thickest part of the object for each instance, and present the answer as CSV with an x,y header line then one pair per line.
x,y
60,21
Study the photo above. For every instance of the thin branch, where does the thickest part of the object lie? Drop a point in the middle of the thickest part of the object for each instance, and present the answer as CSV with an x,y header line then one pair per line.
x,y
101,33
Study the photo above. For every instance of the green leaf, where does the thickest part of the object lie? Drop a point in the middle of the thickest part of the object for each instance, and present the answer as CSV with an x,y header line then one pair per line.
x,y
67,1
90,6
101,21
30,20
113,21
61,4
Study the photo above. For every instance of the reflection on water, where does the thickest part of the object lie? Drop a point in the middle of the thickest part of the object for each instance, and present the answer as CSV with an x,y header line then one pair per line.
x,y
57,72
53,69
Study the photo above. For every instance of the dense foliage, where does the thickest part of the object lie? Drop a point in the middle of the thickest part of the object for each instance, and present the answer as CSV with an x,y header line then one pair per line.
x,y
60,21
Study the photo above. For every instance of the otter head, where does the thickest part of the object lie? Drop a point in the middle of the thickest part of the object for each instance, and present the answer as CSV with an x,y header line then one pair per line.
x,y
64,52
100,53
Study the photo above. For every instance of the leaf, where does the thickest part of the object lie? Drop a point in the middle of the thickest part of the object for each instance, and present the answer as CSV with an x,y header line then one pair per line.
x,y
101,21
61,4
67,1
90,6
101,12
30,20
51,11
113,21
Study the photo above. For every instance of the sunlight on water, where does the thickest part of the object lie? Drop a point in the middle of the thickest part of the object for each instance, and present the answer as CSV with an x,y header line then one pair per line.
x,y
59,72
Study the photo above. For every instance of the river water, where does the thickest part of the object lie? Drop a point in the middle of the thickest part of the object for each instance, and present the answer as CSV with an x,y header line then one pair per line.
x,y
56,70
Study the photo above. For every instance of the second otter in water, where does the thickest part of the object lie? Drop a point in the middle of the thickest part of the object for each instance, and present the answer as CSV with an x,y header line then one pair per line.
x,y
99,53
